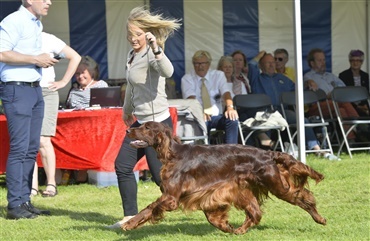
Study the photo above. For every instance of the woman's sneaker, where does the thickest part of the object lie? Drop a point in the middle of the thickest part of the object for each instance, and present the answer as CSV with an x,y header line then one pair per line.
x,y
118,225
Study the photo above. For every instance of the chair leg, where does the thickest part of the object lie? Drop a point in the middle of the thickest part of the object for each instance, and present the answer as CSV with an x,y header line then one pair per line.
x,y
241,134
280,142
345,140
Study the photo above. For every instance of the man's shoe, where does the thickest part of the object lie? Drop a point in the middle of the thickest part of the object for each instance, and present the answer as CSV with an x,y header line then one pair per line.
x,y
19,212
30,208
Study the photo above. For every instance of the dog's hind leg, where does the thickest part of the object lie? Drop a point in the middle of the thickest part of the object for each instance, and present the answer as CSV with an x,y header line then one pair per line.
x,y
248,202
153,212
219,218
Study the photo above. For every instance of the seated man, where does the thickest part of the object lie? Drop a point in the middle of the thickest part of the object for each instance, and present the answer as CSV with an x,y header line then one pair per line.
x,y
273,84
208,87
318,78
281,58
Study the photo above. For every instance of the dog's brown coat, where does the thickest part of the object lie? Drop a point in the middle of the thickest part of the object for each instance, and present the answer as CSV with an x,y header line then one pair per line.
x,y
211,178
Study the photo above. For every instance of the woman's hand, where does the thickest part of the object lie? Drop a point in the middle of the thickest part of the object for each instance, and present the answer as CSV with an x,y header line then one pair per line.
x,y
152,40
158,52
128,119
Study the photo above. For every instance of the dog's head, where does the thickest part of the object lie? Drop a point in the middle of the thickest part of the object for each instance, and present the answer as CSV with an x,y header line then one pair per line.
x,y
150,134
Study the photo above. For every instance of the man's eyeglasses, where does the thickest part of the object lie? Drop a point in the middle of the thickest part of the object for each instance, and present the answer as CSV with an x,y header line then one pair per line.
x,y
356,60
279,59
197,64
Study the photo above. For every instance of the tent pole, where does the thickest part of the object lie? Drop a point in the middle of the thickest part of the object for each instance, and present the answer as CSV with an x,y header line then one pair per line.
x,y
299,82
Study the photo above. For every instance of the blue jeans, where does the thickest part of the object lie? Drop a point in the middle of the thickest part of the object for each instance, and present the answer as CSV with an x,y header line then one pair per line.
x,y
24,110
220,122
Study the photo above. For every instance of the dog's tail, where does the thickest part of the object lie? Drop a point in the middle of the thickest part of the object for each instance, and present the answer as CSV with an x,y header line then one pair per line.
x,y
295,169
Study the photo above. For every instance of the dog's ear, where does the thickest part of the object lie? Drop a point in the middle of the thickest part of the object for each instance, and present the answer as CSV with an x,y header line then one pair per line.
x,y
168,132
163,145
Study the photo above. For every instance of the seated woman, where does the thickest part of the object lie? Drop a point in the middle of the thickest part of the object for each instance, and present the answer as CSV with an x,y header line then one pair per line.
x,y
354,76
87,75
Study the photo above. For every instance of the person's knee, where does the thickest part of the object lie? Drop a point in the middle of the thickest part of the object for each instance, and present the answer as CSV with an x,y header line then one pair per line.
x,y
233,123
231,126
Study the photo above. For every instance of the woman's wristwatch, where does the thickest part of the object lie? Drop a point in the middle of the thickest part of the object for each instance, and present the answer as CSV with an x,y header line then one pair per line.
x,y
158,52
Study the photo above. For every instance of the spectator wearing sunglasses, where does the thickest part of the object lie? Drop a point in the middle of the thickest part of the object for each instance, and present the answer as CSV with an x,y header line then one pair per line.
x,y
281,58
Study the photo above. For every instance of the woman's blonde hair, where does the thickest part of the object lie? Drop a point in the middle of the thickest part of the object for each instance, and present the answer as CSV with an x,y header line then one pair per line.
x,y
155,23
225,59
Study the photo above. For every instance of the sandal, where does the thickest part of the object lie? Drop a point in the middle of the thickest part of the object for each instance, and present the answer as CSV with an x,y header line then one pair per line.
x,y
269,147
49,193
34,192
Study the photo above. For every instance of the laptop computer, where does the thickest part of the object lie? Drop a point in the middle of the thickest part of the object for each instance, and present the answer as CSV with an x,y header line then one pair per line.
x,y
106,97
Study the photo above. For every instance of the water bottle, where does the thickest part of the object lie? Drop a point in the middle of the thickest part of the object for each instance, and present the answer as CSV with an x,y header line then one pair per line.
x,y
65,177
1,107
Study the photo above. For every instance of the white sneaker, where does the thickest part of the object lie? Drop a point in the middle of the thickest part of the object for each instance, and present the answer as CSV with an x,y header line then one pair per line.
x,y
118,224
291,150
331,157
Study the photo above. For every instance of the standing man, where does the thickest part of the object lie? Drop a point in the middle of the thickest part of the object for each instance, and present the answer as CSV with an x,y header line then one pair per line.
x,y
21,60
212,83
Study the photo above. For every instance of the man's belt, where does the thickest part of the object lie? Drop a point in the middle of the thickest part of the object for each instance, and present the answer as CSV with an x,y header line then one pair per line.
x,y
31,84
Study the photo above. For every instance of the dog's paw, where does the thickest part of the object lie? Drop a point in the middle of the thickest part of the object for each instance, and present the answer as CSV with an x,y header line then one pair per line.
x,y
127,226
240,230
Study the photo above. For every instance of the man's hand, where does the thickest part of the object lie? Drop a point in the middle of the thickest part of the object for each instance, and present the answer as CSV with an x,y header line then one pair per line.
x,y
311,85
45,61
207,117
231,113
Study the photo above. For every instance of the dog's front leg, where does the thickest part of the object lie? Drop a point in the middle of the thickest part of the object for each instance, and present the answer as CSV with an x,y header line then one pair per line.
x,y
153,212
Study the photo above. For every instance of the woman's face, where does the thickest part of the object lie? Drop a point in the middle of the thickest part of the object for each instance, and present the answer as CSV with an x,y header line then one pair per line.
x,y
356,63
238,62
136,37
83,76
227,68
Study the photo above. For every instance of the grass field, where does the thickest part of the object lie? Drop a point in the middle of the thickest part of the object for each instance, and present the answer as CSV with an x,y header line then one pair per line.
x,y
80,212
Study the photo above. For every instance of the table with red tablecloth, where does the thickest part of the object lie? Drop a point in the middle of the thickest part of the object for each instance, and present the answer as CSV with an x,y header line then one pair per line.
x,y
85,139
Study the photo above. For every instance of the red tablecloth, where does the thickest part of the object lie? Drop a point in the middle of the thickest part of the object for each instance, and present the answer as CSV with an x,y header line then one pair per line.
x,y
85,140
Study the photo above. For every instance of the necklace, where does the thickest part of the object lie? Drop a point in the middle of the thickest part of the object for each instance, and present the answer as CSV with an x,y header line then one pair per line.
x,y
84,88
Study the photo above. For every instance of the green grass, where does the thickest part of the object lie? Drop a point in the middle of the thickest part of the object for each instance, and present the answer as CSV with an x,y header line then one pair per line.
x,y
80,212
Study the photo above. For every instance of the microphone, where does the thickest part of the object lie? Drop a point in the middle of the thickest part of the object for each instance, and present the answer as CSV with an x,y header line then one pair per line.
x,y
60,56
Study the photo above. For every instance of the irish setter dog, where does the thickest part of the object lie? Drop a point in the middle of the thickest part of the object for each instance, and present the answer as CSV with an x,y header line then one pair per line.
x,y
211,178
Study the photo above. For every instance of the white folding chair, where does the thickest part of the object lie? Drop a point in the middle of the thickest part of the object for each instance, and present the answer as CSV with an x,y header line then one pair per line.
x,y
351,94
256,102
288,100
191,127
333,133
